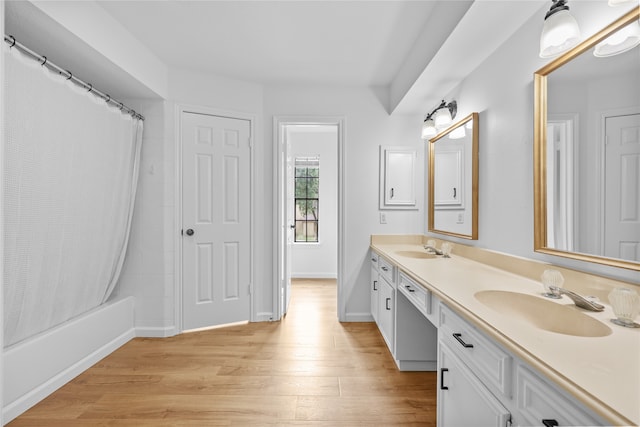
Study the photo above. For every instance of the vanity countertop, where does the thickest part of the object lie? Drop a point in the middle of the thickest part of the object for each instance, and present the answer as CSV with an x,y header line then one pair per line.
x,y
602,372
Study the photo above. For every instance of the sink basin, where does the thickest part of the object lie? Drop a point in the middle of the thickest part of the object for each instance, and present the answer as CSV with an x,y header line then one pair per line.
x,y
544,314
416,254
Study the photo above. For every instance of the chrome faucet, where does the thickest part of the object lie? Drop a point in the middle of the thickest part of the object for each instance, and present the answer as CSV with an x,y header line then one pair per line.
x,y
577,299
431,248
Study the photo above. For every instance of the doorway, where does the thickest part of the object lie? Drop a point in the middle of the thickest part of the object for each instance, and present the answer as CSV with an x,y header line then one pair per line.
x,y
309,223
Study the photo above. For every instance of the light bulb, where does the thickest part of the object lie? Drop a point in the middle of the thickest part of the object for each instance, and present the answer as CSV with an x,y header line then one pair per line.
x,y
458,133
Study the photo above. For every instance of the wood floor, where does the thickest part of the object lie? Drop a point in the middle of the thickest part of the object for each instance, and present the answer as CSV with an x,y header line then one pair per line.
x,y
308,369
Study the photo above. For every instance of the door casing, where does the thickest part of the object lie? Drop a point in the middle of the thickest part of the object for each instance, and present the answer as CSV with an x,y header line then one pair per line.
x,y
279,214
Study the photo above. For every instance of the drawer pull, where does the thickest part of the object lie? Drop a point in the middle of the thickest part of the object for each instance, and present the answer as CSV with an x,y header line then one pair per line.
x,y
375,282
374,260
550,423
387,304
385,268
442,371
409,288
459,339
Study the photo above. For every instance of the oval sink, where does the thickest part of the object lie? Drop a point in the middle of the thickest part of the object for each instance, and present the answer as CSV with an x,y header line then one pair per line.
x,y
543,314
415,254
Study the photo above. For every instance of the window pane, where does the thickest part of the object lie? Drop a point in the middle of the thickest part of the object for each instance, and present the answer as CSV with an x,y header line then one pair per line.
x,y
312,210
301,209
312,188
301,188
312,231
301,171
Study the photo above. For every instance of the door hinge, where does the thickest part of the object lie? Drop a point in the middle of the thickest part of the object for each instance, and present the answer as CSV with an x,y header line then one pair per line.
x,y
249,289
250,141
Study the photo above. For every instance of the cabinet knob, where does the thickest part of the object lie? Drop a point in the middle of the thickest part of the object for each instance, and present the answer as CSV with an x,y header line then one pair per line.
x,y
387,304
189,232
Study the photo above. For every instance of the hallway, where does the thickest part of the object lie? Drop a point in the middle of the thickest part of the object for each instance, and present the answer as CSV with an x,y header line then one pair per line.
x,y
308,369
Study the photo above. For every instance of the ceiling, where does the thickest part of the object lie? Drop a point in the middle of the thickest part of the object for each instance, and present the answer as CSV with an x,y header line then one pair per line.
x,y
412,51
318,42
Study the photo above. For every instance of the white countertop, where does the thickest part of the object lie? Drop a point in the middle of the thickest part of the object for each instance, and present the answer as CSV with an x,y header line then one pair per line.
x,y
601,372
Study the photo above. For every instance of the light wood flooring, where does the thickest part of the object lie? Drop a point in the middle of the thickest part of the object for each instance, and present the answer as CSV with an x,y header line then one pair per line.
x,y
308,369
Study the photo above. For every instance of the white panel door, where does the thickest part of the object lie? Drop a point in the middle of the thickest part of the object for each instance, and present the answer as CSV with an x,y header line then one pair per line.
x,y
216,253
622,188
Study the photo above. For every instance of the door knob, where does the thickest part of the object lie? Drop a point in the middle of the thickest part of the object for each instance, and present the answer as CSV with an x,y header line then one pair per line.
x,y
190,232
292,226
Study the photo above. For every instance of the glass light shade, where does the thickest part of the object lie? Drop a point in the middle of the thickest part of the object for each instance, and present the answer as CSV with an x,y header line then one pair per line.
x,y
621,41
458,133
443,117
559,34
428,129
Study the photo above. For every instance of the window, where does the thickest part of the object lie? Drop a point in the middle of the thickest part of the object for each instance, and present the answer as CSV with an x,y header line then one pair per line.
x,y
307,180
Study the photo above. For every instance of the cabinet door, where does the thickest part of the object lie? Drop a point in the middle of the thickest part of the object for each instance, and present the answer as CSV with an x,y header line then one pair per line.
x,y
462,399
373,288
398,177
386,311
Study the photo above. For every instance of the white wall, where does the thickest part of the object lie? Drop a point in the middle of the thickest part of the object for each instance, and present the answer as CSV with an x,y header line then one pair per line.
x,y
2,148
367,126
501,90
319,260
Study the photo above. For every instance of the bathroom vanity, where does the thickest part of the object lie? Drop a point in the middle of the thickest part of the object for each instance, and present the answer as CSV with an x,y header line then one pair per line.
x,y
504,354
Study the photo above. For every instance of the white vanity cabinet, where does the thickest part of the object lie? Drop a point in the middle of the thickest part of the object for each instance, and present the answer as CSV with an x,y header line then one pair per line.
x,y
463,401
401,316
382,294
501,389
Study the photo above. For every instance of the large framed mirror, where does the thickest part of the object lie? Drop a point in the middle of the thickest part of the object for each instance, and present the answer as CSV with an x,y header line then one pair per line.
x,y
453,180
587,153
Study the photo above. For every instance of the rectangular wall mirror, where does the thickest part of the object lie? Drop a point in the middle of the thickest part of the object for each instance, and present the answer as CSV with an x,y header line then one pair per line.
x,y
587,153
453,180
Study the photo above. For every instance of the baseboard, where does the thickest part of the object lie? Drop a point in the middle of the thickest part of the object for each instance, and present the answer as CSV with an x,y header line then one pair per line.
x,y
155,331
37,367
314,276
358,317
264,316
417,365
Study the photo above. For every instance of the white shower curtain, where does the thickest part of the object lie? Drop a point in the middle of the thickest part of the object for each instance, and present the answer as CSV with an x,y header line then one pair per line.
x,y
71,169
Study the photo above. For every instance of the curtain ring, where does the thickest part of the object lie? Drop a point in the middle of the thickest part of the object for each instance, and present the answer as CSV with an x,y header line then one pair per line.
x,y
90,87
44,60
13,41
108,98
70,75
121,105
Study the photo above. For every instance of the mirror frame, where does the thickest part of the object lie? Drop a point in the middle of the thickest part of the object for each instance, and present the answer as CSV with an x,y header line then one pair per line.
x,y
540,146
474,177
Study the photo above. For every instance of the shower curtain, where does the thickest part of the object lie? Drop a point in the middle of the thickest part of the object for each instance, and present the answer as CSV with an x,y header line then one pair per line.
x,y
71,169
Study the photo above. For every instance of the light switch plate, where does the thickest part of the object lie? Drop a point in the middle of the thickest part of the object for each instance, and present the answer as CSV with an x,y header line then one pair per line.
x,y
383,217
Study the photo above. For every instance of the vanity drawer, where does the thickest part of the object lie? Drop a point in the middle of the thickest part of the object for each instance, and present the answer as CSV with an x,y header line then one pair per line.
x,y
492,364
386,269
539,400
419,296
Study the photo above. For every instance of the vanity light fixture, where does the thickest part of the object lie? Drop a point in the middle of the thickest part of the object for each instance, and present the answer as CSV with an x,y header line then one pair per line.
x,y
560,31
439,118
621,41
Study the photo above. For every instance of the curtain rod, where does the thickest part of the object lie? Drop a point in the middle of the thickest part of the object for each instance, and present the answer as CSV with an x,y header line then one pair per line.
x,y
12,42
